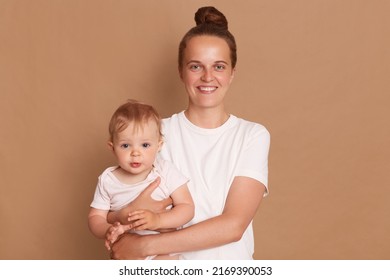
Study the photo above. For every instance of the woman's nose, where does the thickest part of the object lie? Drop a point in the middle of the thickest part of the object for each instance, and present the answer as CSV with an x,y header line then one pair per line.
x,y
207,76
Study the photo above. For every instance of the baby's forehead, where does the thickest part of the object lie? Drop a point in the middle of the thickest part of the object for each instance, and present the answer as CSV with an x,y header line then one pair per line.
x,y
146,124
147,128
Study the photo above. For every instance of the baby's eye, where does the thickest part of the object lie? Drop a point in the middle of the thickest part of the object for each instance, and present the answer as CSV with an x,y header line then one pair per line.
x,y
146,145
124,146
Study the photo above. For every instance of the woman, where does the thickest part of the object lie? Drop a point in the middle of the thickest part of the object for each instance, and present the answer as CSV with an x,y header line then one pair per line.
x,y
226,158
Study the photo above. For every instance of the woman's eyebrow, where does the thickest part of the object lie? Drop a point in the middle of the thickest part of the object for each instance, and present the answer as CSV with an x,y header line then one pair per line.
x,y
193,61
197,61
221,61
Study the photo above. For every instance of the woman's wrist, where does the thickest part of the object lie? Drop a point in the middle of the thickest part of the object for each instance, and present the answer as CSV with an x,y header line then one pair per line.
x,y
149,245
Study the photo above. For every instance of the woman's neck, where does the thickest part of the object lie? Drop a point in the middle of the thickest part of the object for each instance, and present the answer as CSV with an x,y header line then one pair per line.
x,y
206,117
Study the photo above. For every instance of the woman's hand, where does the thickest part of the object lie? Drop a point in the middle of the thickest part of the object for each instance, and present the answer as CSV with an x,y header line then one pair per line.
x,y
143,201
128,247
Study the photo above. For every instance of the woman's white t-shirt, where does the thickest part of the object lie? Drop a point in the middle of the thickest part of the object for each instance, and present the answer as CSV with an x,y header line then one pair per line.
x,y
211,158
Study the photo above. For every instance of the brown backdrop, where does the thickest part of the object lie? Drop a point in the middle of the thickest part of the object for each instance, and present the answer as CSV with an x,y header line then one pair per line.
x,y
315,73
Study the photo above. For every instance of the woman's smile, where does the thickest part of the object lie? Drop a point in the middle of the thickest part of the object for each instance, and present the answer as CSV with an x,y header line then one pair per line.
x,y
206,71
207,89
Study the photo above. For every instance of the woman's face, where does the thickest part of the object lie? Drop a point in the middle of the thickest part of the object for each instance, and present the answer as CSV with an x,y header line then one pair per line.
x,y
206,71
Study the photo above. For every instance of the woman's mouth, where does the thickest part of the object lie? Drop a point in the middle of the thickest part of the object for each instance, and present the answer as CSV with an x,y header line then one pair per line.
x,y
207,89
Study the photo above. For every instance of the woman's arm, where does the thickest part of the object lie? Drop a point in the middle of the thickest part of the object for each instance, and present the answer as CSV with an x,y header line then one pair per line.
x,y
143,201
242,202
181,213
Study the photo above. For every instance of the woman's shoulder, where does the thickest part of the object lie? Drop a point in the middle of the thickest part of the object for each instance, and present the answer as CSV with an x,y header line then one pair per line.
x,y
172,122
173,118
251,126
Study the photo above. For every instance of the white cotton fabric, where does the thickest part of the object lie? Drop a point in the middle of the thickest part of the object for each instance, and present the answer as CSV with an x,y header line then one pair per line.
x,y
112,194
211,158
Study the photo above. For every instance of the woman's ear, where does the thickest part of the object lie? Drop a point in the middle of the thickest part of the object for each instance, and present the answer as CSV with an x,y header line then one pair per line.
x,y
232,75
180,72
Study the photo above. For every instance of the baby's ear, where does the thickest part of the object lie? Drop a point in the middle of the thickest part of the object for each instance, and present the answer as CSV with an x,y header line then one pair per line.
x,y
110,145
160,144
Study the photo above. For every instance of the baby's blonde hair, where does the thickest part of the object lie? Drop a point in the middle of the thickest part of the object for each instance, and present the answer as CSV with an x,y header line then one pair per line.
x,y
133,112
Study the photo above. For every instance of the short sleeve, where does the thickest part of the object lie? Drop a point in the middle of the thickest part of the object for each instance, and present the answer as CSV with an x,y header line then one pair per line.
x,y
253,161
101,199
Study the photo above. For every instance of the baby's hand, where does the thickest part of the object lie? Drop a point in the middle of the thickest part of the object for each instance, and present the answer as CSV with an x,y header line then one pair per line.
x,y
114,232
144,219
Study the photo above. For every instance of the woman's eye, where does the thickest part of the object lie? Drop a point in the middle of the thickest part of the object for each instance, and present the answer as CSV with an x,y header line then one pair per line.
x,y
146,145
220,67
195,67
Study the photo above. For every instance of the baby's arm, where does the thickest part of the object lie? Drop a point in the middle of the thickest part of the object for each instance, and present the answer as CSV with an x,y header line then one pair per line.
x,y
97,222
113,232
181,213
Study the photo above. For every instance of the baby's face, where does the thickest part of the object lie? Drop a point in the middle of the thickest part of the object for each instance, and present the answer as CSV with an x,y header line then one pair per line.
x,y
136,148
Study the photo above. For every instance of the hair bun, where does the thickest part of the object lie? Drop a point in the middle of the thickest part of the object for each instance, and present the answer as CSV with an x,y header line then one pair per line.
x,y
211,15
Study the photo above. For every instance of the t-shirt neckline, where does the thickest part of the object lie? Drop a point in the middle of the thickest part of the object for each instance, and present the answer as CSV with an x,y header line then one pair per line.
x,y
231,121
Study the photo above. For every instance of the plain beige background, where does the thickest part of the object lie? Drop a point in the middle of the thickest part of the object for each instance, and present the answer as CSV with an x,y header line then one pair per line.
x,y
314,72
